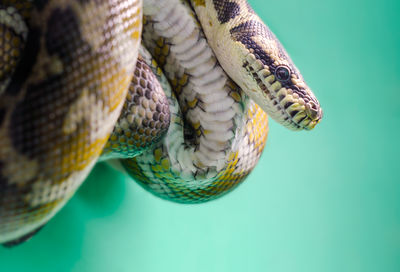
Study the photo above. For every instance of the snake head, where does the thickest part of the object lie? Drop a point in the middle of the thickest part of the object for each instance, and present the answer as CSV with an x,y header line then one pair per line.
x,y
272,80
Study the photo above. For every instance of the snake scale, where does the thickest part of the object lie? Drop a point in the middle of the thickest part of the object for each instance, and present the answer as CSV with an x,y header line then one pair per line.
x,y
183,111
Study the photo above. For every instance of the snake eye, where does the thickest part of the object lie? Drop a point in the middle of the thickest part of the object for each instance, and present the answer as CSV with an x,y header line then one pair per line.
x,y
282,73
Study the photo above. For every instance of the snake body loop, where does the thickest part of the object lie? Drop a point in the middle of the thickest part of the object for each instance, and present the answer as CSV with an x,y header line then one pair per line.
x,y
59,101
189,124
224,131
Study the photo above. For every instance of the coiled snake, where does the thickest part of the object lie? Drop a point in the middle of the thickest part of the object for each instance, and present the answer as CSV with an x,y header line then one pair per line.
x,y
67,69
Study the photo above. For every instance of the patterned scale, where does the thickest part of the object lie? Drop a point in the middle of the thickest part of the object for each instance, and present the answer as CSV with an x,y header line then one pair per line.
x,y
13,34
71,66
144,119
155,172
217,139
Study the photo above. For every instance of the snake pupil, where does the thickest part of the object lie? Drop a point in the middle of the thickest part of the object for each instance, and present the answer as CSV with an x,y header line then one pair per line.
x,y
282,73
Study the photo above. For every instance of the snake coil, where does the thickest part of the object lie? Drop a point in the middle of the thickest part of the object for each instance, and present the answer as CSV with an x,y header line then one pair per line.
x,y
188,124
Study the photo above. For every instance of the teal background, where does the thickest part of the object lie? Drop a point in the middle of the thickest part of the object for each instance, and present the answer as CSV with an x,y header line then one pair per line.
x,y
326,200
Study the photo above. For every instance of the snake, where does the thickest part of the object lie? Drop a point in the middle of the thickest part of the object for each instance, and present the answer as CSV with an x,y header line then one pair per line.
x,y
173,93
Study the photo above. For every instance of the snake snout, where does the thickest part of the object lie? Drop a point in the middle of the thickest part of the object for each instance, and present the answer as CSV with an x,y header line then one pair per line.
x,y
314,111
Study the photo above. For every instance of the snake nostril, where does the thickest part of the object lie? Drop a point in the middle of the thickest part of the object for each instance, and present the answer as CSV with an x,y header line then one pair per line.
x,y
313,111
313,106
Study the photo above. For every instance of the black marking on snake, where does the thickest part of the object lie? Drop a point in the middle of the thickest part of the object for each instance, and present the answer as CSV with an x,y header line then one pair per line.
x,y
57,43
3,179
41,4
287,105
293,113
25,64
30,117
244,34
23,239
27,118
148,94
226,10
2,116
6,191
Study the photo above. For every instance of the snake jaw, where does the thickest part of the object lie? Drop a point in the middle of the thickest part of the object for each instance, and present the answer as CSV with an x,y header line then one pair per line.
x,y
290,102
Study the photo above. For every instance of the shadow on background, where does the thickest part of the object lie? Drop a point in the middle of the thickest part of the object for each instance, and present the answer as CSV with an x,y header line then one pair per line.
x,y
57,247
103,192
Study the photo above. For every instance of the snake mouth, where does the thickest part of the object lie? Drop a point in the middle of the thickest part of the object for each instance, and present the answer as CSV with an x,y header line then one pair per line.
x,y
283,103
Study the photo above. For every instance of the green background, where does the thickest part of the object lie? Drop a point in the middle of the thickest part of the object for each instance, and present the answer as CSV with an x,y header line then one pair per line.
x,y
326,200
